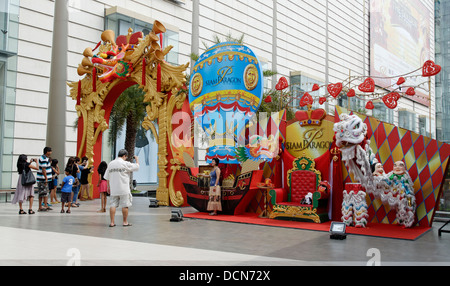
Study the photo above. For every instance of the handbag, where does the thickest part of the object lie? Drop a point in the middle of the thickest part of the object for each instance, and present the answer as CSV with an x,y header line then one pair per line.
x,y
28,178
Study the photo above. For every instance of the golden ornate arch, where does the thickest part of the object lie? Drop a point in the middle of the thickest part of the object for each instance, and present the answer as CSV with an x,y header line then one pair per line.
x,y
134,59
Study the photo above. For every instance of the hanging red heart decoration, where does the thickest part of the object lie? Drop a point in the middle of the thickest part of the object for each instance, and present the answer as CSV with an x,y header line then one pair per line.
x,y
400,81
322,100
282,84
370,105
390,100
411,91
367,86
351,93
430,69
268,99
315,87
335,89
306,100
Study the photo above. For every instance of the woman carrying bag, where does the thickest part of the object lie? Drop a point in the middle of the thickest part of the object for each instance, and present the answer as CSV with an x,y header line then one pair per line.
x,y
215,203
25,184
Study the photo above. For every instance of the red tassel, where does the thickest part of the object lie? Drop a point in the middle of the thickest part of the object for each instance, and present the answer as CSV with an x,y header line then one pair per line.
x,y
143,71
158,79
94,80
79,93
161,40
98,44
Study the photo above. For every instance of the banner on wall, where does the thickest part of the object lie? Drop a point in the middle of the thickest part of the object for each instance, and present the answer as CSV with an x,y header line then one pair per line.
x,y
310,133
400,35
312,141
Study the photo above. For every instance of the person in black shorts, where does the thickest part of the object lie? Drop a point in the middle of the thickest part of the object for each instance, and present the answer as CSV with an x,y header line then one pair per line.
x,y
66,190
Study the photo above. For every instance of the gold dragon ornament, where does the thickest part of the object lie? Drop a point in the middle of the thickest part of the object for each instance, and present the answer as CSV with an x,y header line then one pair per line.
x,y
137,60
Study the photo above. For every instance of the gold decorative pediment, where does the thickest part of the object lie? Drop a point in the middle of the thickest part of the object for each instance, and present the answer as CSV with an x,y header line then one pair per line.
x,y
137,60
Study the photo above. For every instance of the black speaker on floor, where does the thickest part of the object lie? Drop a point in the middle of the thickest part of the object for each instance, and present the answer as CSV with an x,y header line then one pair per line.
x,y
337,230
176,215
153,203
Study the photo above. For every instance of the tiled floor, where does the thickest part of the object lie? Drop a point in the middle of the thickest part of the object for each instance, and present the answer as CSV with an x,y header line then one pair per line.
x,y
84,238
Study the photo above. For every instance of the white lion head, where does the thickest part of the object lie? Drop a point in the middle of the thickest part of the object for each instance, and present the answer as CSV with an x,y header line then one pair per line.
x,y
351,130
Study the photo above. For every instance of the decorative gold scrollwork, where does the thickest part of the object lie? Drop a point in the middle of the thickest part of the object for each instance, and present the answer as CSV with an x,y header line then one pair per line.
x,y
90,94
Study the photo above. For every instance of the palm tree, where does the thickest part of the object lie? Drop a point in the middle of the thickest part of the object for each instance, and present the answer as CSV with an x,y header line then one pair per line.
x,y
129,109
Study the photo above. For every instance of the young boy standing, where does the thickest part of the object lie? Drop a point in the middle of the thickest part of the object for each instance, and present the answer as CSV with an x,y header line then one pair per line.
x,y
66,190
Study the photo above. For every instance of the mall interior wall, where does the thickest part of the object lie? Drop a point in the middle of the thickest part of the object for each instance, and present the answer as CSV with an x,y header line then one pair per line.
x,y
324,39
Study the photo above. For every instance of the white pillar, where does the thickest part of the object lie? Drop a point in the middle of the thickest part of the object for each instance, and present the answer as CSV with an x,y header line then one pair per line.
x,y
56,118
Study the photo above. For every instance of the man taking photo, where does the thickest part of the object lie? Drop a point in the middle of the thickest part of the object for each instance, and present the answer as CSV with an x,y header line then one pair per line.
x,y
118,177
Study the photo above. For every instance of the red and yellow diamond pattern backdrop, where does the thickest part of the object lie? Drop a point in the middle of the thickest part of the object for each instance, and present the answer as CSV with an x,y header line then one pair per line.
x,y
426,161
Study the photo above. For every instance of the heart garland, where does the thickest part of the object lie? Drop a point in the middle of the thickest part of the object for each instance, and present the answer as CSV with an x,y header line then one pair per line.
x,y
367,86
401,81
370,105
335,89
390,100
411,91
430,69
282,84
306,100
351,93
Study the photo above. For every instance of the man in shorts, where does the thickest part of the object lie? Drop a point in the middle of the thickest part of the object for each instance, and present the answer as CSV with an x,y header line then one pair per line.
x,y
43,178
118,176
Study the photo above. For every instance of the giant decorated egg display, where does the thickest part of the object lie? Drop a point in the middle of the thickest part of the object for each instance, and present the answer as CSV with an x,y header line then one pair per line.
x,y
225,90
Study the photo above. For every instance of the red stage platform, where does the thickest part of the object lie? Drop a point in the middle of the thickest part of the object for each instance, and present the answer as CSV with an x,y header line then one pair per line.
x,y
372,229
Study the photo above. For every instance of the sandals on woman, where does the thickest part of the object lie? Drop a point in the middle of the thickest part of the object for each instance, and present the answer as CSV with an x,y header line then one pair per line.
x,y
22,212
30,211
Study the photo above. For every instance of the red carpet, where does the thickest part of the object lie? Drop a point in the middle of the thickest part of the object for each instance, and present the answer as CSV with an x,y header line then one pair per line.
x,y
372,229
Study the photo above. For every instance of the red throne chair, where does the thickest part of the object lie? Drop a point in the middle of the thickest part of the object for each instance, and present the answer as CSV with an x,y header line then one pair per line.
x,y
302,179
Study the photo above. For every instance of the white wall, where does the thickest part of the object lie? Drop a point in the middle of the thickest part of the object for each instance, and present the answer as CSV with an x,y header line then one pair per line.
x,y
301,46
